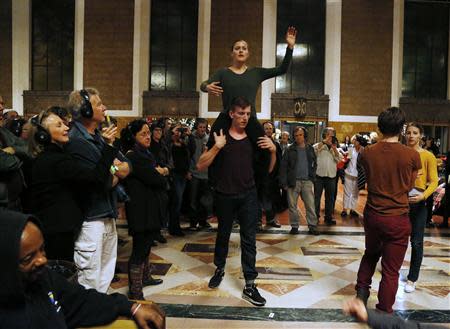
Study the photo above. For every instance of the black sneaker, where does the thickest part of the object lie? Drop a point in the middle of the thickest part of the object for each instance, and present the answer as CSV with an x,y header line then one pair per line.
x,y
354,213
273,223
161,239
313,231
216,279
204,224
294,231
330,222
251,294
176,232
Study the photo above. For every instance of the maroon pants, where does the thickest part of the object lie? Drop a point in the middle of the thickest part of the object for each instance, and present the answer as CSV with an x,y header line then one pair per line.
x,y
386,237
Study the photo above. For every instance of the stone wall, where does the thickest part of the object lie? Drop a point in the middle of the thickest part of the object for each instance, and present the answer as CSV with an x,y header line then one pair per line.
x,y
366,56
6,52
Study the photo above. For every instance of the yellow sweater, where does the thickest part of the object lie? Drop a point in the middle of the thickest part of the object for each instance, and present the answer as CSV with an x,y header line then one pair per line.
x,y
428,180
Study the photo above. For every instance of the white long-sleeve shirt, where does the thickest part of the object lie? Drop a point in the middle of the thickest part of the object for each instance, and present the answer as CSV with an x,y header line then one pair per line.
x,y
327,158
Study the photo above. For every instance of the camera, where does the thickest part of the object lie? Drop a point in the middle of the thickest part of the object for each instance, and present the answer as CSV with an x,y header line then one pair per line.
x,y
334,140
183,134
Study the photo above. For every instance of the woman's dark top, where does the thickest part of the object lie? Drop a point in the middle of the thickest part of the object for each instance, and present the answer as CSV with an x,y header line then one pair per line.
x,y
146,188
55,177
433,149
245,84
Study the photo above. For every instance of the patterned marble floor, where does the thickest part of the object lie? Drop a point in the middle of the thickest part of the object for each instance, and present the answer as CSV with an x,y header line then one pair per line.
x,y
304,278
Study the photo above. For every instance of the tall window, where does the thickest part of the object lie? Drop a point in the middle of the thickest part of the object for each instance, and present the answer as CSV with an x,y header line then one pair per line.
x,y
52,44
173,53
307,71
425,49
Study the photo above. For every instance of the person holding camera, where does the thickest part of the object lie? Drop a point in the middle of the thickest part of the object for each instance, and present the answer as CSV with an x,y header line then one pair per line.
x,y
327,158
200,197
96,245
54,174
269,193
180,174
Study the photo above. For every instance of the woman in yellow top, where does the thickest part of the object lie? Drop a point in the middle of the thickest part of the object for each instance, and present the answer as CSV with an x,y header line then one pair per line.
x,y
424,186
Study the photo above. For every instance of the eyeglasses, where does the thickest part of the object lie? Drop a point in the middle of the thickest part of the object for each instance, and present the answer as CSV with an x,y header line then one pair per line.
x,y
144,134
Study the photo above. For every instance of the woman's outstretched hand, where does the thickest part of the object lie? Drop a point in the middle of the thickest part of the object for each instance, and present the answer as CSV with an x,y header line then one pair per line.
x,y
291,34
214,89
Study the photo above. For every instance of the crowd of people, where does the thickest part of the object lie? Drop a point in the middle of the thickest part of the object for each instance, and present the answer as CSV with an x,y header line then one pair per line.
x,y
70,162
69,168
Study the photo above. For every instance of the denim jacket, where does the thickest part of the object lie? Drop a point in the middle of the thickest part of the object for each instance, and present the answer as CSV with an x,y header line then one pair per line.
x,y
96,203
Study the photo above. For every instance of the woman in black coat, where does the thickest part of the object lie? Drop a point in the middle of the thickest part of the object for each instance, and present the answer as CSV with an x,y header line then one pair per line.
x,y
54,176
145,186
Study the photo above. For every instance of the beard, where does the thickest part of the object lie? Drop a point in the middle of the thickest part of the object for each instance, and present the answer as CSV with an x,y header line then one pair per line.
x,y
32,277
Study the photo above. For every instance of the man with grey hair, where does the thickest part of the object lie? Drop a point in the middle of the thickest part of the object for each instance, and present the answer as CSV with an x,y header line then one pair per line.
x,y
327,158
96,245
297,174
284,141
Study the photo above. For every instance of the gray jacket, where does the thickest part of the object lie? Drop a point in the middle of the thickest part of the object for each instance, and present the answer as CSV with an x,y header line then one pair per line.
x,y
288,168
9,162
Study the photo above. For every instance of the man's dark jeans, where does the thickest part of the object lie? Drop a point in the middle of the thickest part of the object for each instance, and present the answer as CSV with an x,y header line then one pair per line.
x,y
418,218
200,201
179,184
266,204
244,208
329,184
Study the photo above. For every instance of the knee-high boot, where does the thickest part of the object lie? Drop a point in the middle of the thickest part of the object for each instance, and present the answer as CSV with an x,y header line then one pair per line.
x,y
135,273
147,278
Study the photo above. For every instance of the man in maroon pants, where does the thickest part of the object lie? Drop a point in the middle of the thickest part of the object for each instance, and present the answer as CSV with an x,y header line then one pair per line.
x,y
391,169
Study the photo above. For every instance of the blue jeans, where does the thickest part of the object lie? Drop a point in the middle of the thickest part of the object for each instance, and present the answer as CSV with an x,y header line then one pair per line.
x,y
179,184
244,207
418,218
